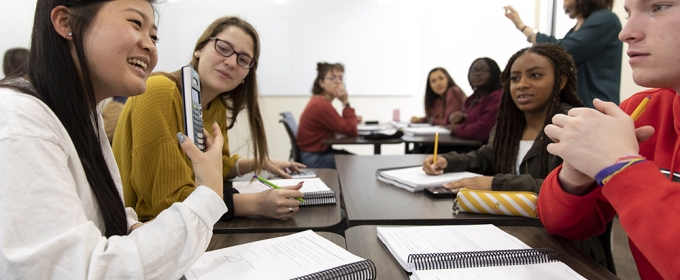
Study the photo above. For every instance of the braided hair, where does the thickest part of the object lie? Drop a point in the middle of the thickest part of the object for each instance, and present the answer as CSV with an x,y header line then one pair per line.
x,y
511,121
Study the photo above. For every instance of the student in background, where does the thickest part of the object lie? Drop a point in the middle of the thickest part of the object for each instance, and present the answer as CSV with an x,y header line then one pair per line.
x,y
61,207
110,114
14,60
156,173
614,165
478,115
593,44
538,83
442,98
320,120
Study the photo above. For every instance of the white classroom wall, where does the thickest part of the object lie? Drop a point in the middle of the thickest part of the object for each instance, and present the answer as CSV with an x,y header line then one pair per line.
x,y
17,16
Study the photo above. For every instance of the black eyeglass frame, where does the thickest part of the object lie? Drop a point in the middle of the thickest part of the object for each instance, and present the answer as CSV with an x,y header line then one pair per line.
x,y
238,54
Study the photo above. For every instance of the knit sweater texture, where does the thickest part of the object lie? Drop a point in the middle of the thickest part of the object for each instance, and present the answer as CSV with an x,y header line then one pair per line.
x,y
154,169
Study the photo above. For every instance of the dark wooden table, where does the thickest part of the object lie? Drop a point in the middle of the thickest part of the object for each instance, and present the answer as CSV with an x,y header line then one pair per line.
x,y
446,140
219,241
315,217
363,241
371,202
358,140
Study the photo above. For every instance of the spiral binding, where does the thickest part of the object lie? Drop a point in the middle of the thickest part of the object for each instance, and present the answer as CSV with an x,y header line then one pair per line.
x,y
319,198
319,194
482,258
361,270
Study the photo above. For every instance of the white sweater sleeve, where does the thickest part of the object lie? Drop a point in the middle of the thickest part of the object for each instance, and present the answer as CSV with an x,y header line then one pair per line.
x,y
49,222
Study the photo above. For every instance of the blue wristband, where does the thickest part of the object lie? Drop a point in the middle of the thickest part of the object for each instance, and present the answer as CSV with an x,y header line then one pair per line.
x,y
609,170
613,169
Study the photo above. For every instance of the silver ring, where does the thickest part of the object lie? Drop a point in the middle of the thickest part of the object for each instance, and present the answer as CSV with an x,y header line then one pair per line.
x,y
290,209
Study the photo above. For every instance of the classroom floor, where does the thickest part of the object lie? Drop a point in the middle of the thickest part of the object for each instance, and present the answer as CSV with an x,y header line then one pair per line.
x,y
623,260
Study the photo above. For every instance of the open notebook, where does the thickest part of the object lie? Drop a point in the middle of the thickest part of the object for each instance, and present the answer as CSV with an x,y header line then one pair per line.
x,y
414,178
316,191
470,251
303,255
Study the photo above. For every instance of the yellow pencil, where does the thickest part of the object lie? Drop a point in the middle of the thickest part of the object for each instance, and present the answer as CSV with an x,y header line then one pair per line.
x,y
635,115
436,143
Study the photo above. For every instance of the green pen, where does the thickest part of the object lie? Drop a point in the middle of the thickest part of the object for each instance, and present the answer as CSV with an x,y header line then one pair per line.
x,y
272,185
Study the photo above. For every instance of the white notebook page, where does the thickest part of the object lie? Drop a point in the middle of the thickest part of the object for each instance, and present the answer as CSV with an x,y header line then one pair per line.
x,y
309,185
551,270
284,257
403,241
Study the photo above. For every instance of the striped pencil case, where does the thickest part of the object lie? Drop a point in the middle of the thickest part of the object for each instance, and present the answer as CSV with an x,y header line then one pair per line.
x,y
508,203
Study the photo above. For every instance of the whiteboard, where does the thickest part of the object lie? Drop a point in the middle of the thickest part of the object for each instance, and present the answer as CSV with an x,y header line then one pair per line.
x,y
387,46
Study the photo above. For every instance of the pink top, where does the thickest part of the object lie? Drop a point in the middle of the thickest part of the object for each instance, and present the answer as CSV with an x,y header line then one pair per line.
x,y
454,102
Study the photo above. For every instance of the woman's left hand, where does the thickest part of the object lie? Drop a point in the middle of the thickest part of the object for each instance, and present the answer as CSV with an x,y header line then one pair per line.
x,y
280,167
475,183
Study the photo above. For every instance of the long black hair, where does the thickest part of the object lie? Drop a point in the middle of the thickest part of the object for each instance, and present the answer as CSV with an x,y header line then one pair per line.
x,y
431,96
65,86
511,121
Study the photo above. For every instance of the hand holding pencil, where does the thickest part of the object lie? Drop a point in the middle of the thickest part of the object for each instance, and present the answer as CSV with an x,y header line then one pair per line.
x,y
432,168
272,185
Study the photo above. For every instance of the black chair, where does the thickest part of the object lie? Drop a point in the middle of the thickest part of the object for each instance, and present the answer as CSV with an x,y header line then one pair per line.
x,y
291,127
606,240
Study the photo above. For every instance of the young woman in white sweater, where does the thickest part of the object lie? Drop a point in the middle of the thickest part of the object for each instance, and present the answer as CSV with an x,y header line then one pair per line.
x,y
61,207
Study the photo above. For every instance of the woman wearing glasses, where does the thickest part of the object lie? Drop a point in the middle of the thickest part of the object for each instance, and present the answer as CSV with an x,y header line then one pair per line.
x,y
154,170
320,120
478,115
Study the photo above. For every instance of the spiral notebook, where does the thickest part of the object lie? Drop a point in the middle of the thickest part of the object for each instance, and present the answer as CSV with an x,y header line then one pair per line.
x,y
303,255
435,252
414,179
316,191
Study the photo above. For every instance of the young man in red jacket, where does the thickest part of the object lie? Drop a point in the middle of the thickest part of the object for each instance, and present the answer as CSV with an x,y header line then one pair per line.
x,y
615,165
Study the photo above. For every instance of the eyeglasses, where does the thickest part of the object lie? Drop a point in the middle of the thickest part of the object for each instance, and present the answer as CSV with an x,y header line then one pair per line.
x,y
226,49
479,70
332,78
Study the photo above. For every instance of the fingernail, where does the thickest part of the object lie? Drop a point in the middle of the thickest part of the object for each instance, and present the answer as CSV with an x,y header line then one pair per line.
x,y
215,122
181,137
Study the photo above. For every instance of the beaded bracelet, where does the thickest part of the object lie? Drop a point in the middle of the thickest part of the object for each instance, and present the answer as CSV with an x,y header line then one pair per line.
x,y
607,173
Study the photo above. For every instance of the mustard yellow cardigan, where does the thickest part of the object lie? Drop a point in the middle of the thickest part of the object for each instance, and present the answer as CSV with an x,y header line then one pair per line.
x,y
154,169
